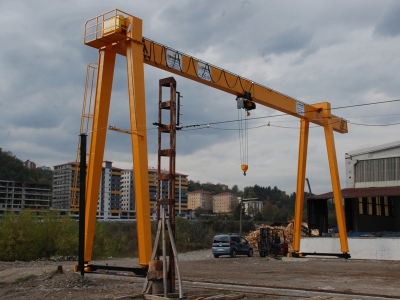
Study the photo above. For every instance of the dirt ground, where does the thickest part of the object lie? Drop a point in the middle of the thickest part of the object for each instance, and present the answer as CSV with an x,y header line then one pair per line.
x,y
39,279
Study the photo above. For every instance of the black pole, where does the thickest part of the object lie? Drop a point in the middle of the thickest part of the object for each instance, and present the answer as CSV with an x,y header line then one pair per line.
x,y
82,192
240,222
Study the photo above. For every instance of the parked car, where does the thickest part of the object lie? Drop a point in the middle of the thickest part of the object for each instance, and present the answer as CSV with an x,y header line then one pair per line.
x,y
231,244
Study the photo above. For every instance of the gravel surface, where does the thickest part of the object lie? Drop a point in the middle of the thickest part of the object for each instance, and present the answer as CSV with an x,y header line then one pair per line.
x,y
40,279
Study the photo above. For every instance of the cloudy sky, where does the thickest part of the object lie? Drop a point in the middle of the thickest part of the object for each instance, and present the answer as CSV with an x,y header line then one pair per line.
x,y
343,52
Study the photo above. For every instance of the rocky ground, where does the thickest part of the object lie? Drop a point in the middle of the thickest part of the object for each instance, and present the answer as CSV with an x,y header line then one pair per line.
x,y
41,279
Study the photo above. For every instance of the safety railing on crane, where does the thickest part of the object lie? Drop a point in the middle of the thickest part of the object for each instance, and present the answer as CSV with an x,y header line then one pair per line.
x,y
102,26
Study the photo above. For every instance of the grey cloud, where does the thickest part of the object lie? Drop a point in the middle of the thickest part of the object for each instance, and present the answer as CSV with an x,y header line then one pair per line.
x,y
291,40
36,120
389,25
205,24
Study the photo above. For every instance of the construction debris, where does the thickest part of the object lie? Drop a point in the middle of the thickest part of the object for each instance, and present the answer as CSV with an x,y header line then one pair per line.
x,y
254,236
175,296
218,297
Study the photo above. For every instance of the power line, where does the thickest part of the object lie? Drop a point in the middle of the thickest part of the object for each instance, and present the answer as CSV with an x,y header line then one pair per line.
x,y
374,124
287,114
207,125
365,104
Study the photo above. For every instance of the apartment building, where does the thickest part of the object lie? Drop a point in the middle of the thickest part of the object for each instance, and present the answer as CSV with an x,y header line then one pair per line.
x,y
63,178
116,192
18,196
181,192
110,193
225,203
200,198
29,164
251,207
128,191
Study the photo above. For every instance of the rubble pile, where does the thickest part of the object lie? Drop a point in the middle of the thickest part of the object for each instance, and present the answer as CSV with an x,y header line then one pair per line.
x,y
59,258
65,280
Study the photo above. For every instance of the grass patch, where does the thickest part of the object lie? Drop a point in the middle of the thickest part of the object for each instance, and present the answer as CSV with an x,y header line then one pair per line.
x,y
25,278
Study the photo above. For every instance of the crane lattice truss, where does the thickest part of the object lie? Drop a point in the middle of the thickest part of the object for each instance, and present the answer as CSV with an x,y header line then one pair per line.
x,y
117,32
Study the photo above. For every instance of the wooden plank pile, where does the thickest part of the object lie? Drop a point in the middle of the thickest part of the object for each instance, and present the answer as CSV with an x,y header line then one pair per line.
x,y
254,236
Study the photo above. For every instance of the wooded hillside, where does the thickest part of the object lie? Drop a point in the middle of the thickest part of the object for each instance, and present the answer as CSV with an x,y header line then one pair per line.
x,y
12,168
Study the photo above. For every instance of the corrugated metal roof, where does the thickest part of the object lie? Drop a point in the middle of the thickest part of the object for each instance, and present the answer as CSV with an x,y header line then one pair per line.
x,y
375,148
363,192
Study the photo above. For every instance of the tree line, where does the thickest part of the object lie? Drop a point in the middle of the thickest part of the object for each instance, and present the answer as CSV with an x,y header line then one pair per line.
x,y
278,206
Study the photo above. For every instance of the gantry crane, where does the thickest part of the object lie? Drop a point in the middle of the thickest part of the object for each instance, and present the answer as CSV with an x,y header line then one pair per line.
x,y
117,32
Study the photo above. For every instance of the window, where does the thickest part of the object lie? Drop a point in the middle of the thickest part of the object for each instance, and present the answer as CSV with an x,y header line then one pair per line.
x,y
376,206
236,239
362,206
383,169
221,238
389,207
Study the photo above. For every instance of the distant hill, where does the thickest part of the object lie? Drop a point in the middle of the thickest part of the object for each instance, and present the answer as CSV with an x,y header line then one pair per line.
x,y
13,169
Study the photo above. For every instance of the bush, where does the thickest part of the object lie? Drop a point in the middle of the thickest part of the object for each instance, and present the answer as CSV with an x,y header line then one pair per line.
x,y
115,239
192,235
28,236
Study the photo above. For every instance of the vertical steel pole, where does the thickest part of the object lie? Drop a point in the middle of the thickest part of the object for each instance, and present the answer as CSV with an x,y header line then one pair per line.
x,y
137,110
97,142
164,253
159,194
82,192
172,172
240,218
301,176
334,171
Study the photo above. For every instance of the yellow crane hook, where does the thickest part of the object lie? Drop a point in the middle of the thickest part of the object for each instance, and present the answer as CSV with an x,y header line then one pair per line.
x,y
244,169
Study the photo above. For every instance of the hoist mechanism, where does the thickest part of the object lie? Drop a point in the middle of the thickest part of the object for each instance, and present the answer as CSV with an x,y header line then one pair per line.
x,y
117,32
245,103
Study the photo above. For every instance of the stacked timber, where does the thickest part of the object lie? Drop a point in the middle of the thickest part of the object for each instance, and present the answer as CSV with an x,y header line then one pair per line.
x,y
254,236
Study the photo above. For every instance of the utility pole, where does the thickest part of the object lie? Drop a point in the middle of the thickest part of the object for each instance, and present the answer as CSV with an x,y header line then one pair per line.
x,y
82,200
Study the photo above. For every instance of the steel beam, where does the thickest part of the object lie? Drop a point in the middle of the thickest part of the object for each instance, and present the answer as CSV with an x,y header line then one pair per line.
x,y
137,109
333,168
97,142
301,177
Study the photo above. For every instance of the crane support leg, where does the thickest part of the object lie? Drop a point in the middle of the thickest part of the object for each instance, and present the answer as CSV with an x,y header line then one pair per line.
x,y
137,108
301,177
333,167
97,143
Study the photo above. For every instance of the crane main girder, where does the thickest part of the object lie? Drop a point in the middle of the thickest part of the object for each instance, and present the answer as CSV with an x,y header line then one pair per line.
x,y
161,57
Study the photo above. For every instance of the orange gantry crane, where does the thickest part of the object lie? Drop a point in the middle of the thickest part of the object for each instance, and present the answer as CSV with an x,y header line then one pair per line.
x,y
117,32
